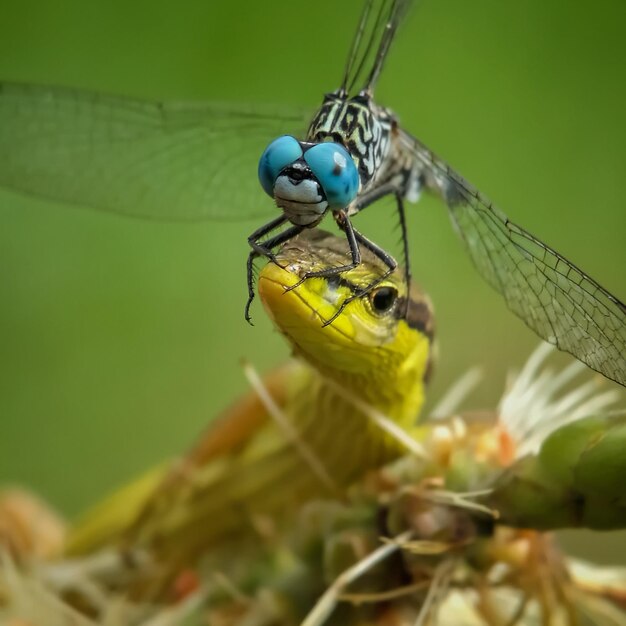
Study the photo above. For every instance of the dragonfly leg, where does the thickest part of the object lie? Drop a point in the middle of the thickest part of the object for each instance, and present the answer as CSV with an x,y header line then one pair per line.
x,y
262,248
385,257
405,238
343,221
265,249
405,244
392,187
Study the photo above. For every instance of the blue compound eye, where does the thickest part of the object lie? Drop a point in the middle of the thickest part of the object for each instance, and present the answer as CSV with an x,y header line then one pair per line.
x,y
336,172
278,155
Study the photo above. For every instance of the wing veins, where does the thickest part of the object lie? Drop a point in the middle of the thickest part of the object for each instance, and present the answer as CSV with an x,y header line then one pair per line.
x,y
538,267
379,22
153,160
561,302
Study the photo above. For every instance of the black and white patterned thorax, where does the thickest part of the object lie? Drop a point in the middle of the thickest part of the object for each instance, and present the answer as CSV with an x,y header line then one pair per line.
x,y
365,129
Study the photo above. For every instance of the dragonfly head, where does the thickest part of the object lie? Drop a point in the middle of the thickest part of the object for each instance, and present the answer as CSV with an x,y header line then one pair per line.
x,y
306,179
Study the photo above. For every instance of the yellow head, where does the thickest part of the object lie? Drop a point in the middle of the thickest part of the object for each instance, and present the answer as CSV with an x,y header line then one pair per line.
x,y
380,345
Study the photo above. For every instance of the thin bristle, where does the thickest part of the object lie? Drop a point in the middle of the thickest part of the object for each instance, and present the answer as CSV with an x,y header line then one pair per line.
x,y
308,455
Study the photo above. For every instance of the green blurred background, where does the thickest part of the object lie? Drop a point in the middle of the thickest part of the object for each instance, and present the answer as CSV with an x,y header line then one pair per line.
x,y
121,338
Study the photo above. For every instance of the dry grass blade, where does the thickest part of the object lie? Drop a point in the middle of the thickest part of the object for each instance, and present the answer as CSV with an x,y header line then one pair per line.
x,y
382,421
310,458
325,605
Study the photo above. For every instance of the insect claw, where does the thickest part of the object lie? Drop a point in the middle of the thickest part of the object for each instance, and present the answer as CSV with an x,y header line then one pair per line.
x,y
246,312
296,285
337,313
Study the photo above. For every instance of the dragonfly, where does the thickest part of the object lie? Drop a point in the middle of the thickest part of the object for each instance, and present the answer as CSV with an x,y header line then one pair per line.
x,y
192,161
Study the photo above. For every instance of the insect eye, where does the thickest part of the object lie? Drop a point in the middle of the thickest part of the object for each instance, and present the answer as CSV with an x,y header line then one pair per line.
x,y
383,299
278,155
335,171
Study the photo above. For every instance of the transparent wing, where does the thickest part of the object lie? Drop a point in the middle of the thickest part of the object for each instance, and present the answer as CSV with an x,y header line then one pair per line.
x,y
180,161
556,299
375,32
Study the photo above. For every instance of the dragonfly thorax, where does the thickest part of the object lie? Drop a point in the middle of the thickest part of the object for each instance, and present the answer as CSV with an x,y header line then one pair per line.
x,y
361,126
308,178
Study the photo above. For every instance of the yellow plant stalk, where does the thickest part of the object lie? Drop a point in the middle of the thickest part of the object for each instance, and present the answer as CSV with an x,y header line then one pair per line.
x,y
248,469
